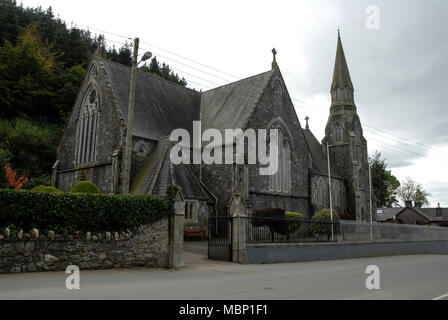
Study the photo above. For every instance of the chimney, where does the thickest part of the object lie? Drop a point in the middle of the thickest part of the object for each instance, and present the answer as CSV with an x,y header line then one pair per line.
x,y
417,204
439,213
408,203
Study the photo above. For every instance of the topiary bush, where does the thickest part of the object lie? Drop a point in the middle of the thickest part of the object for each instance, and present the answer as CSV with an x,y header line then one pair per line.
x,y
85,187
46,189
321,224
293,222
70,212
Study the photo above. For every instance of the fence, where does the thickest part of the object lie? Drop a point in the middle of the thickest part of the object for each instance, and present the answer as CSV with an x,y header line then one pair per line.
x,y
220,238
280,230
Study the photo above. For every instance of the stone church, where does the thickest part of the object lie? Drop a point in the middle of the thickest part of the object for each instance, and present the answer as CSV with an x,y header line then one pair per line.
x,y
94,142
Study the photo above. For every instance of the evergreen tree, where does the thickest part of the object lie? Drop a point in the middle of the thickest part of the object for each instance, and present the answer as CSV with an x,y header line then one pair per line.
x,y
384,183
42,65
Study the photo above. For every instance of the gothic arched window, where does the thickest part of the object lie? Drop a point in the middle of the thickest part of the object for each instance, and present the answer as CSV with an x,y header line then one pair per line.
x,y
346,93
339,93
88,122
281,181
360,180
320,191
338,133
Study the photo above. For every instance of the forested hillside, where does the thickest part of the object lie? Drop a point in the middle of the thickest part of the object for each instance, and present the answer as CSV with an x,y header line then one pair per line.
x,y
42,64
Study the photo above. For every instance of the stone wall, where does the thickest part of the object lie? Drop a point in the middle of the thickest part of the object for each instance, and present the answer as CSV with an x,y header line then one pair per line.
x,y
149,247
297,252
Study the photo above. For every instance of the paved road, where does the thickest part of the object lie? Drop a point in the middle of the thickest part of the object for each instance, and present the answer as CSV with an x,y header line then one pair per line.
x,y
402,277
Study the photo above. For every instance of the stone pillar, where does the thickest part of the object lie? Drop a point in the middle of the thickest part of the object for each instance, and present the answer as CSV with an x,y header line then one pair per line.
x,y
115,172
54,174
237,210
177,233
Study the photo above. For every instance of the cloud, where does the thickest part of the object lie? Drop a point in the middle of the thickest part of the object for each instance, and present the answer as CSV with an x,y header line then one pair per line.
x,y
399,71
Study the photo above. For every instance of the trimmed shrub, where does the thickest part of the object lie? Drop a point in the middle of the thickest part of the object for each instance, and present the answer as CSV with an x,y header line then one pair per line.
x,y
293,224
322,224
85,187
46,189
70,212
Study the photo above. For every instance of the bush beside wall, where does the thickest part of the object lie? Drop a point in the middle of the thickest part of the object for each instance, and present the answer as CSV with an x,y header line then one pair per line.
x,y
71,212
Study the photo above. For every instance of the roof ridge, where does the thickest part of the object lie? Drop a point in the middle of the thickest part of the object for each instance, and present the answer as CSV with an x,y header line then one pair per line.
x,y
151,75
244,79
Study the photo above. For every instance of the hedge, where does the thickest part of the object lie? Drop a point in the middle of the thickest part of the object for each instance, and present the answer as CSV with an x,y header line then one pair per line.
x,y
70,212
46,189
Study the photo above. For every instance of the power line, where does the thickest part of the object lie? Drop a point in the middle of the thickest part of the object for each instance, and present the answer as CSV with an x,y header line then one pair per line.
x,y
165,50
309,105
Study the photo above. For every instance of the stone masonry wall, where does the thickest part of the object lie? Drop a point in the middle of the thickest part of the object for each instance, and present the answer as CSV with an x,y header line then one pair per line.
x,y
147,248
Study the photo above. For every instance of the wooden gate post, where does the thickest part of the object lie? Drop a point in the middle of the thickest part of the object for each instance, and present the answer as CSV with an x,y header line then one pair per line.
x,y
237,210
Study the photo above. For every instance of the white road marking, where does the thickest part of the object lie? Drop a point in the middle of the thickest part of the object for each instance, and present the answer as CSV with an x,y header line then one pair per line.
x,y
441,297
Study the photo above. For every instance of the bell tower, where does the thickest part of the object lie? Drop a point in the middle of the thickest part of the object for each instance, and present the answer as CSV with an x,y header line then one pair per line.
x,y
344,135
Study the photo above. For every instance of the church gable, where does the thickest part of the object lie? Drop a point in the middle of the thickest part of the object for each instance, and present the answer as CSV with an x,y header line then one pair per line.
x,y
288,188
93,133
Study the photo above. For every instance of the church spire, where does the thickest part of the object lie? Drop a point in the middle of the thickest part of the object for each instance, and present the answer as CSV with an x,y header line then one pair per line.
x,y
341,87
341,75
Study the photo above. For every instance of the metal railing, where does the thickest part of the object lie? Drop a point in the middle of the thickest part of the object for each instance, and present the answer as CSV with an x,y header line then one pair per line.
x,y
260,230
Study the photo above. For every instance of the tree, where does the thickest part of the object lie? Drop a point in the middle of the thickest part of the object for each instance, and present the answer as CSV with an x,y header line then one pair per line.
x,y
42,65
17,184
163,72
384,183
30,147
26,75
411,190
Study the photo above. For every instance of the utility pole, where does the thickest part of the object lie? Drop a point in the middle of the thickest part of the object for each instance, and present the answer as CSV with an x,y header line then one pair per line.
x,y
130,124
370,194
329,191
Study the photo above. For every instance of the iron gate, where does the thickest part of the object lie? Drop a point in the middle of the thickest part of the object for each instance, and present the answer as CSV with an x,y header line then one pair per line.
x,y
220,238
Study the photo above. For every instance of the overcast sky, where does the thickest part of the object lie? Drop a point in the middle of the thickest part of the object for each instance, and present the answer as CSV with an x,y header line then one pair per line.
x,y
399,71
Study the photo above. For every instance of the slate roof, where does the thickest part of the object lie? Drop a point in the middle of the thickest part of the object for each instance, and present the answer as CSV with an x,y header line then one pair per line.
x,y
230,106
158,103
432,213
384,214
187,181
162,106
158,173
319,159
